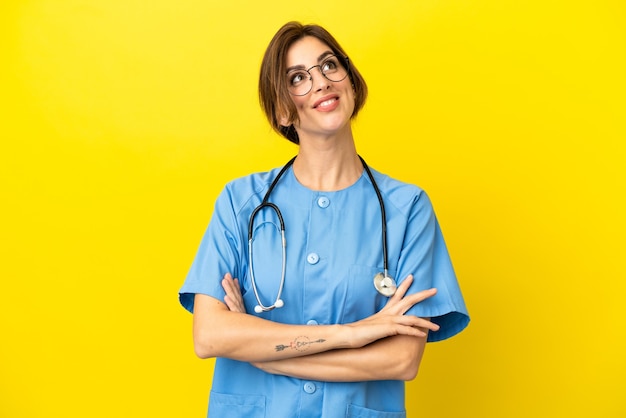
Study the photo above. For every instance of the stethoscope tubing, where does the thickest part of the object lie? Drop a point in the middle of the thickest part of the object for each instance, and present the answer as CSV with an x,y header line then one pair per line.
x,y
260,307
383,215
266,204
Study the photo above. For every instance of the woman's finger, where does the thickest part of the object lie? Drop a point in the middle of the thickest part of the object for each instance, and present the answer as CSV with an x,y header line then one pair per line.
x,y
413,299
403,287
233,298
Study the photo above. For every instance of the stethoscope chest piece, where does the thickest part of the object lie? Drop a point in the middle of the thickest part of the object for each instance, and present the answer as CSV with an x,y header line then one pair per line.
x,y
385,284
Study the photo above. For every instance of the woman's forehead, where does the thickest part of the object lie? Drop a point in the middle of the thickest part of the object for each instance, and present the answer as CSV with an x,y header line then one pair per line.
x,y
306,51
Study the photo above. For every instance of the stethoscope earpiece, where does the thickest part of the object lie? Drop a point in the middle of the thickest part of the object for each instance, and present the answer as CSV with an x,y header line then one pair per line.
x,y
278,304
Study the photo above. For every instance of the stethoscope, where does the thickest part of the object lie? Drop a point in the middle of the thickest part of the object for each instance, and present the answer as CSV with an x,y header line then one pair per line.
x,y
383,282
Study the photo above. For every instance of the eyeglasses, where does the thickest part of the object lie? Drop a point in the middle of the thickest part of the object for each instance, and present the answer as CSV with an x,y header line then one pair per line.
x,y
333,68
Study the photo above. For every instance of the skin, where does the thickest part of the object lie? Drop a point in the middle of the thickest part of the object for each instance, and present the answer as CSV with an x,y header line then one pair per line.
x,y
327,160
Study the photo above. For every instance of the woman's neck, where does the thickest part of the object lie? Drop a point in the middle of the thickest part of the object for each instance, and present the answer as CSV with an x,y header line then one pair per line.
x,y
327,164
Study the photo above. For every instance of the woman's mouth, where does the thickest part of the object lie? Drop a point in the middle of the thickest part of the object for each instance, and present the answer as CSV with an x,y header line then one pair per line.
x,y
326,103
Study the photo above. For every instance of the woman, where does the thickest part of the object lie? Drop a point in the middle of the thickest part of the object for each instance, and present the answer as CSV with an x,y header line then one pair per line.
x,y
308,332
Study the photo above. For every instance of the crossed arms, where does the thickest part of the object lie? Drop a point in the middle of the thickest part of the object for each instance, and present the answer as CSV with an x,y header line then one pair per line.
x,y
386,345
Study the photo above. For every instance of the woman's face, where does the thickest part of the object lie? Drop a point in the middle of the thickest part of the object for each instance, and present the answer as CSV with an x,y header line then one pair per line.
x,y
326,110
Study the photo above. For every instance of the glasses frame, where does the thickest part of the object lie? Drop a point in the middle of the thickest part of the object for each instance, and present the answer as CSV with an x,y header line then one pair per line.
x,y
342,60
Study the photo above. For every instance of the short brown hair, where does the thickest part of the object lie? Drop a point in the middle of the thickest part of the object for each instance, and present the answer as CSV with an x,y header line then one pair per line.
x,y
273,94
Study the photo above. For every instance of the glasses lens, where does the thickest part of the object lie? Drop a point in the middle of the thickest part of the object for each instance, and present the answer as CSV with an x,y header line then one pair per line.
x,y
333,68
299,82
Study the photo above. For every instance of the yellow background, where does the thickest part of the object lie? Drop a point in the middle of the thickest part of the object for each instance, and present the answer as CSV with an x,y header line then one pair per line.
x,y
122,119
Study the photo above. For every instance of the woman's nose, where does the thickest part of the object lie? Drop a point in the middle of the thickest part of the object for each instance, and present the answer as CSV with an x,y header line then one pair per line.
x,y
318,80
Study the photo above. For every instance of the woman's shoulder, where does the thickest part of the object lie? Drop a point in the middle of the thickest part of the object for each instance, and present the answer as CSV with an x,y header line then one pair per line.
x,y
402,194
242,189
253,182
397,188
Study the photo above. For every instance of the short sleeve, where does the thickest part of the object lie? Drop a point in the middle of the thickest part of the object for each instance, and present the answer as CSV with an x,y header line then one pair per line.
x,y
424,254
218,254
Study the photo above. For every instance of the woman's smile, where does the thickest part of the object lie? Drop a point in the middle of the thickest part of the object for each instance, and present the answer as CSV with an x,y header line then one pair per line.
x,y
327,103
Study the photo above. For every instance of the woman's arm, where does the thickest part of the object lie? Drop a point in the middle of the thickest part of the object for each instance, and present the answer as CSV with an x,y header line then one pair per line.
x,y
221,332
392,358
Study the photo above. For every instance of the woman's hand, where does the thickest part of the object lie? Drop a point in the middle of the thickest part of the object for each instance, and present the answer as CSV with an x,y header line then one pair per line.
x,y
391,320
233,298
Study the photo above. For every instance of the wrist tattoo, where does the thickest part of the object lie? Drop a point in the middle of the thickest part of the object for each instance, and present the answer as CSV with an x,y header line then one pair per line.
x,y
301,343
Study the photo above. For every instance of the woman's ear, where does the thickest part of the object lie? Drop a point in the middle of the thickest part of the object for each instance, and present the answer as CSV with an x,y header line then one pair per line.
x,y
283,120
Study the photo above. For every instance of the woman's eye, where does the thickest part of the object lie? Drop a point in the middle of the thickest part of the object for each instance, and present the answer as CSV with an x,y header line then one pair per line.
x,y
297,78
329,65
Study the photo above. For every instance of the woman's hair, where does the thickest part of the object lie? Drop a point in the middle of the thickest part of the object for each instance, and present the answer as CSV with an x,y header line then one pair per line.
x,y
273,92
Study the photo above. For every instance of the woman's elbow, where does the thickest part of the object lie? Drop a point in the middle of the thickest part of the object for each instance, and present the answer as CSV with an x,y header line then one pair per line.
x,y
203,346
207,314
202,353
409,361
409,370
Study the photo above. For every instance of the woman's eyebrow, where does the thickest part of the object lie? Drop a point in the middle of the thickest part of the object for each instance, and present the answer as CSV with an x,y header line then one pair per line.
x,y
302,67
324,55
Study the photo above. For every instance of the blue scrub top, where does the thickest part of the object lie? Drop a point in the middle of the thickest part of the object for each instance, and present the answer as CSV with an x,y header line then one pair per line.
x,y
334,249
